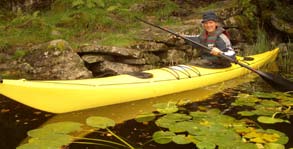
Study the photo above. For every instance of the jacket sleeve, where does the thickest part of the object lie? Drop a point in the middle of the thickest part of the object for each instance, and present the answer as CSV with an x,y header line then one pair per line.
x,y
224,44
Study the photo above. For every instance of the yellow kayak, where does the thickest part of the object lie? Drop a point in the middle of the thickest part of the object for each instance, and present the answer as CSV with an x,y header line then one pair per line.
x,y
60,96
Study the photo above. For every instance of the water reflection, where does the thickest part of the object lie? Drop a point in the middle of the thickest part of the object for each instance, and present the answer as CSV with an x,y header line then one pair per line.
x,y
126,111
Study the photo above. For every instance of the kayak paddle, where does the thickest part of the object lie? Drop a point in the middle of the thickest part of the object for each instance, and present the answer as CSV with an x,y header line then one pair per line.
x,y
276,81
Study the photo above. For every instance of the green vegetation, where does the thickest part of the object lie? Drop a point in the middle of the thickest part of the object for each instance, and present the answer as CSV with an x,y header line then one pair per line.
x,y
108,22
207,129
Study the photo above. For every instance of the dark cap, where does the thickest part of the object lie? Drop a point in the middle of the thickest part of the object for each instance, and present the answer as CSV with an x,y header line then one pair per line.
x,y
208,16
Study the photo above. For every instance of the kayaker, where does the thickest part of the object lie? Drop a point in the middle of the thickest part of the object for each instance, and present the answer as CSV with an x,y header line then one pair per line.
x,y
214,37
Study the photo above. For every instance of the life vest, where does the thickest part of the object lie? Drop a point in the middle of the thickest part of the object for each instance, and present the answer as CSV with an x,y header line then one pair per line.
x,y
210,39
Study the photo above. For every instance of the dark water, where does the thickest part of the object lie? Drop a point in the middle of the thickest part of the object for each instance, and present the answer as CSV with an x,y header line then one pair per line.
x,y
15,120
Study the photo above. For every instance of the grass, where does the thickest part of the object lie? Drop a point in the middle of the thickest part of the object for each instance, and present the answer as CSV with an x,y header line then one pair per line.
x,y
262,43
108,22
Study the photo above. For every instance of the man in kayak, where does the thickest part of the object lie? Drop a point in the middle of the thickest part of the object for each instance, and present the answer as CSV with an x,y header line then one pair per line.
x,y
214,37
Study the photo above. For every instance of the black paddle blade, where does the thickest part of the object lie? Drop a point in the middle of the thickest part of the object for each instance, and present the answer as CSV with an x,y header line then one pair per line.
x,y
277,81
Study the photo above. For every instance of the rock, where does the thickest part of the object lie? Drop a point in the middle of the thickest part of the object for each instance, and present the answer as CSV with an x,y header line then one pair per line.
x,y
93,58
174,57
116,51
150,46
281,25
108,68
51,63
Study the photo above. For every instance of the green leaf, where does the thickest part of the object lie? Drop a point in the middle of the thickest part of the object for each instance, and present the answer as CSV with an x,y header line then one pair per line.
x,y
166,108
245,100
163,137
182,126
265,95
100,122
246,113
274,146
205,145
77,3
64,127
112,8
170,119
181,139
146,117
99,3
283,138
90,4
270,103
270,120
52,141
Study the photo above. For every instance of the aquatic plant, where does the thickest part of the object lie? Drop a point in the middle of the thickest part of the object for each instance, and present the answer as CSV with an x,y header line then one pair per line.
x,y
269,107
207,128
60,134
212,129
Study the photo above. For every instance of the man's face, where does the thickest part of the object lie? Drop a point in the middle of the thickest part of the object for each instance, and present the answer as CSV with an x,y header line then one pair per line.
x,y
210,26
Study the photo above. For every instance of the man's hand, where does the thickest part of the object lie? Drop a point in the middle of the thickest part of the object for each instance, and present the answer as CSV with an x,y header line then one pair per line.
x,y
215,51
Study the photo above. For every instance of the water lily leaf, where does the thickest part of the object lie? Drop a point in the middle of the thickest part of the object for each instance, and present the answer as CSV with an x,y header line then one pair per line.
x,y
146,117
170,119
205,145
283,139
270,120
38,145
164,122
198,114
46,134
246,113
240,145
287,102
181,139
265,95
166,108
163,137
270,103
52,141
214,111
182,126
274,146
263,110
245,100
55,128
100,122
64,127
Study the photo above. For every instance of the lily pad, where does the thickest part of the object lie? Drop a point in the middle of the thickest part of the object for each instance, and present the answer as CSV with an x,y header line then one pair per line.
x,y
246,113
64,127
270,103
205,145
55,128
52,141
245,100
163,137
181,139
146,117
270,120
100,122
265,95
182,126
274,146
283,139
170,119
166,108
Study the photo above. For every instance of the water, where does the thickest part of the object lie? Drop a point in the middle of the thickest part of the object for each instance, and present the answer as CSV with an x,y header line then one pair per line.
x,y
16,119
